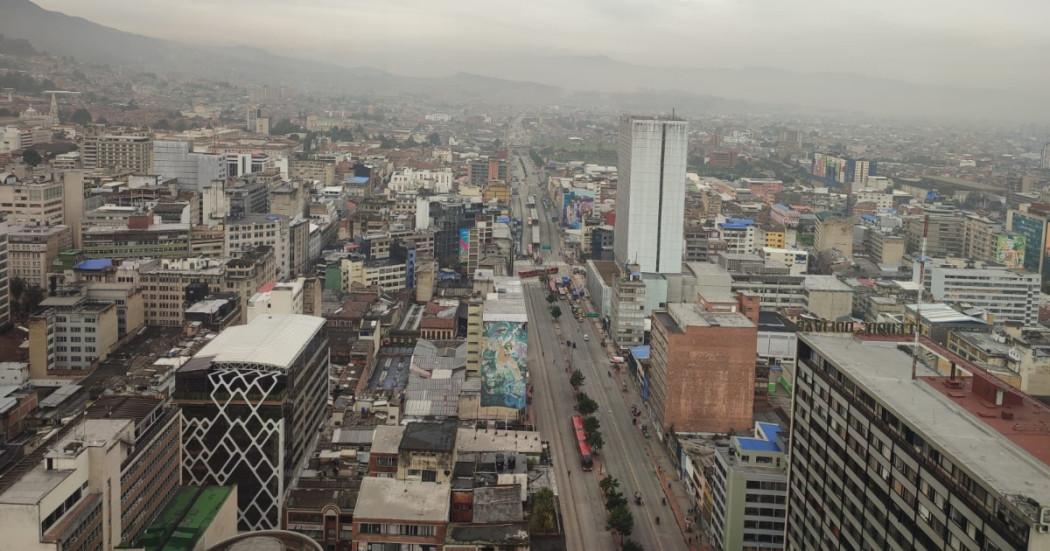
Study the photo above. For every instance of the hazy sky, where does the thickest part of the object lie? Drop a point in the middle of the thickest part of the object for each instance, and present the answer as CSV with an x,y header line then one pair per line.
x,y
979,42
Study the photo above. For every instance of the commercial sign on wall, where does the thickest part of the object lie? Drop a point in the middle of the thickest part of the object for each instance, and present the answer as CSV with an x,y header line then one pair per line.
x,y
860,327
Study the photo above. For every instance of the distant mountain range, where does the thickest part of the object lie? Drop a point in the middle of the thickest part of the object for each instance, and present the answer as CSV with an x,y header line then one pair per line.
x,y
525,79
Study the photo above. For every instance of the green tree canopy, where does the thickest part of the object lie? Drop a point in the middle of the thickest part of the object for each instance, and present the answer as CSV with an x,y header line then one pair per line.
x,y
81,116
31,157
542,517
620,520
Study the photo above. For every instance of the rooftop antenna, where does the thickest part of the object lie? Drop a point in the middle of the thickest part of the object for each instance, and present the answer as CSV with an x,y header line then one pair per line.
x,y
918,303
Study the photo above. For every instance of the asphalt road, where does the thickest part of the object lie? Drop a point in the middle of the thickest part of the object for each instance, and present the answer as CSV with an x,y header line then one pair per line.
x,y
624,455
583,512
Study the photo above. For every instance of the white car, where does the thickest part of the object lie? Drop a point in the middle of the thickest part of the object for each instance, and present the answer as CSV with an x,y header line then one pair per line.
x,y
586,337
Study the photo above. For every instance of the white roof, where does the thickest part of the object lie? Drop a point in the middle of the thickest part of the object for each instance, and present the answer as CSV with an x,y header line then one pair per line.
x,y
270,340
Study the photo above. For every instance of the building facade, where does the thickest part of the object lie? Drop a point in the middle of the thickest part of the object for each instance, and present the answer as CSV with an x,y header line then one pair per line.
x,y
252,401
703,369
650,202
881,460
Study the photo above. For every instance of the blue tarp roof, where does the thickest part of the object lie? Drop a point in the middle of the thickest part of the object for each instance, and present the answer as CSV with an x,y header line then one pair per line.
x,y
764,441
640,352
738,223
95,264
358,180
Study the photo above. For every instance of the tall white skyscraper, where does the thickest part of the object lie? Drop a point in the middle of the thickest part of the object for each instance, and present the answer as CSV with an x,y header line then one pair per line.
x,y
650,194
1044,162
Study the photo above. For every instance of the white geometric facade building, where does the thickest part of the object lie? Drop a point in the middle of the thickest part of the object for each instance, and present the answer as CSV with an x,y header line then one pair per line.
x,y
252,401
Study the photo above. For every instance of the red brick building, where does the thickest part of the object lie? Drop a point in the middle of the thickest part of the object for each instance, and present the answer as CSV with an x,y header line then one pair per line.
x,y
702,377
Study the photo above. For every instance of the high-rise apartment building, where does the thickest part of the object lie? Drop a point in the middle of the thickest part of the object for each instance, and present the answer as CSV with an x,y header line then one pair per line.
x,y
882,460
650,196
1044,161
702,376
252,401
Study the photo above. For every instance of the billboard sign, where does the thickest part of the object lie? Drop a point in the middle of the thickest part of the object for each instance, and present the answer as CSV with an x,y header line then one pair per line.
x,y
504,356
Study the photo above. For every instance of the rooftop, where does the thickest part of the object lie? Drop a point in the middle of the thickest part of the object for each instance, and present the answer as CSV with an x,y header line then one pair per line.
x,y
943,313
267,340
1011,456
825,283
470,440
429,436
390,499
184,519
764,440
688,314
387,438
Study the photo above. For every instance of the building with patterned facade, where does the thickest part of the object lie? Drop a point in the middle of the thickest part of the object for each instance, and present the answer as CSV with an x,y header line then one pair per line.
x,y
252,401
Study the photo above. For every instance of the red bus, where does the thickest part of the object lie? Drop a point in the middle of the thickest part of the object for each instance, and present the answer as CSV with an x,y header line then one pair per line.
x,y
586,462
586,457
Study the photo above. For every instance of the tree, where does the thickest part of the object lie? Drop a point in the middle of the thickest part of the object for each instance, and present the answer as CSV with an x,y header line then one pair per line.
x,y
594,439
434,138
631,545
585,404
31,157
81,116
621,521
285,126
591,424
162,124
552,298
555,312
576,380
542,517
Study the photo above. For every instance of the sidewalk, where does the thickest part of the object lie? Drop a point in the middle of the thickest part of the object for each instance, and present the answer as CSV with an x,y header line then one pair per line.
x,y
678,498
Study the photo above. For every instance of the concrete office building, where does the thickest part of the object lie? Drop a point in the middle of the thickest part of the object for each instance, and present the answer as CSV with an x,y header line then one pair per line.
x,y
140,238
702,377
881,460
1009,295
627,319
175,159
650,201
71,334
33,203
748,485
252,401
97,483
123,153
945,233
740,235
32,249
271,230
